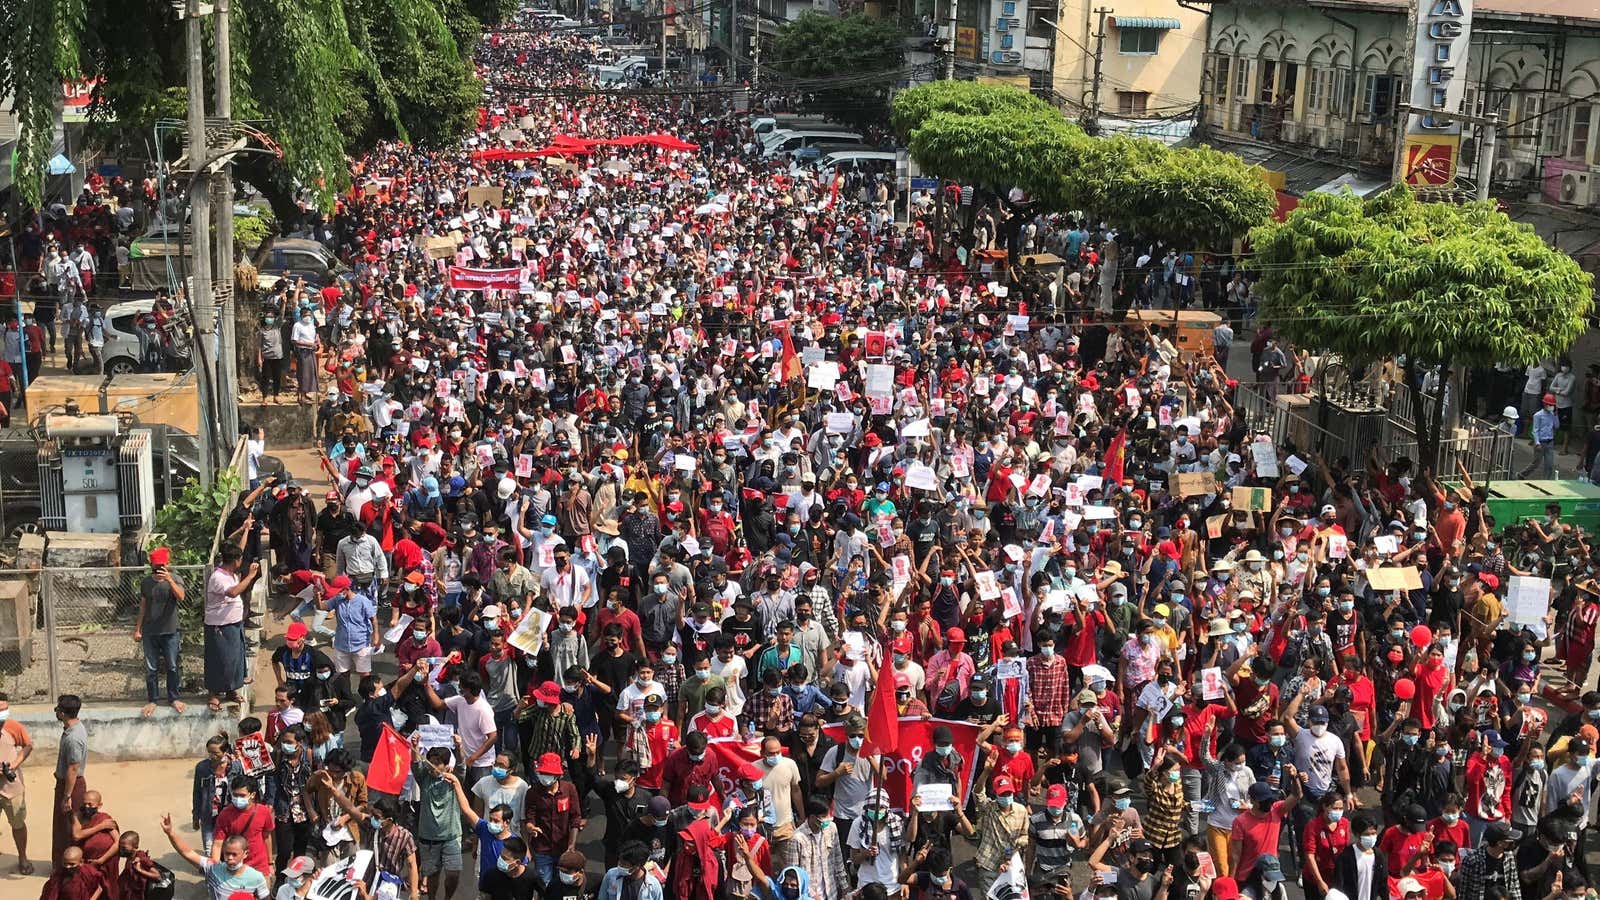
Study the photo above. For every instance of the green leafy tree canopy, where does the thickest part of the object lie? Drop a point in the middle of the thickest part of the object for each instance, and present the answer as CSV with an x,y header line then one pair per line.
x,y
848,51
997,136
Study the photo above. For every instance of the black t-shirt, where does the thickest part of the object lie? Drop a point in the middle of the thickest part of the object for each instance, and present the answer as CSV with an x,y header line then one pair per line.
x,y
500,886
662,840
620,809
614,671
161,605
745,634
697,644
976,713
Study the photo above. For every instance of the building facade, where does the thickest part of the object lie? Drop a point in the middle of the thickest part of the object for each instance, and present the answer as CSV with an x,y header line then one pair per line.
x,y
1328,77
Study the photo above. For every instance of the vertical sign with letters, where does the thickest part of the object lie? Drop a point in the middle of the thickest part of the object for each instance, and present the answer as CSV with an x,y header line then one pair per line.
x,y
1431,143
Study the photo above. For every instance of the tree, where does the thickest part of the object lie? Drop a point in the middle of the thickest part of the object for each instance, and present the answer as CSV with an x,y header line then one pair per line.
x,y
326,78
1443,284
997,137
852,61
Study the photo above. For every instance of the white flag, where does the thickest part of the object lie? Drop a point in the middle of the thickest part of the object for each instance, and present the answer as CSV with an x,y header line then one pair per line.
x,y
1012,884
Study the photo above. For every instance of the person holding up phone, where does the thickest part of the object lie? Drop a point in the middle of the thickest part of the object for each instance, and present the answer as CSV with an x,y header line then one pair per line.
x,y
156,630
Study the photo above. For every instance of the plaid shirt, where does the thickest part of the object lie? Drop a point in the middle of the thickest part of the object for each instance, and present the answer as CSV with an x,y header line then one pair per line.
x,y
1047,688
395,847
551,732
1480,870
671,678
1163,823
822,606
771,715
1000,831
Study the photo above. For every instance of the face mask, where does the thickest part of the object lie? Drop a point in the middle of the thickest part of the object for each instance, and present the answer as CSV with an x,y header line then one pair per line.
x,y
503,864
235,866
1536,764
1124,802
1278,740
1410,740
668,659
1448,868
289,749
945,749
419,635
1529,656
239,803
1004,801
1451,818
1334,815
1047,652
375,824
1368,841
499,772
1013,746
569,878
980,696
547,780
660,589
1177,721
1319,730
652,717
1174,776
1524,699
1583,761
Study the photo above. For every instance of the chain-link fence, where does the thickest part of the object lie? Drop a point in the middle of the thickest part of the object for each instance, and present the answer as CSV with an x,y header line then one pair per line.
x,y
74,632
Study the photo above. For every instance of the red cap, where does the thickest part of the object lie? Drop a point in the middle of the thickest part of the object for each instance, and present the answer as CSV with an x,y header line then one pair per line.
x,y
340,583
902,680
1549,399
901,644
1489,581
955,636
415,576
749,771
297,631
1056,797
549,764
159,556
1225,888
1002,784
872,439
549,692
1168,549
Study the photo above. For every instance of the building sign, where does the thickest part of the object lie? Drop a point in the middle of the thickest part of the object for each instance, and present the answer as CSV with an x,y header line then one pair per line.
x,y
967,43
1441,34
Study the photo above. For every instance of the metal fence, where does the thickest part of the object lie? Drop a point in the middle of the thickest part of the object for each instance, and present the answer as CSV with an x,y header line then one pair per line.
x,y
1298,422
75,631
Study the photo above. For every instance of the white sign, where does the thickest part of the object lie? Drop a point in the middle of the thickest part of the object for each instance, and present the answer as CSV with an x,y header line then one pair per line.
x,y
1441,35
337,879
1528,599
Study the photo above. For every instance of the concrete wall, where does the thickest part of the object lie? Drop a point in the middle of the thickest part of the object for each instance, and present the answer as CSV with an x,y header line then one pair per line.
x,y
120,734
1171,76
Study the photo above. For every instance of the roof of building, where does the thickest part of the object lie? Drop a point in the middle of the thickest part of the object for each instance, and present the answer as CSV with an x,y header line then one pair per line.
x,y
1529,10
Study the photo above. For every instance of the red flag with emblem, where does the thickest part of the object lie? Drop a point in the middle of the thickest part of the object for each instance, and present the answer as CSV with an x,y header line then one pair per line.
x,y
391,762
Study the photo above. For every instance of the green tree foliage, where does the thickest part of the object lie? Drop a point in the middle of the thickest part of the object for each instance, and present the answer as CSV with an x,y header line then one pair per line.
x,y
326,78
853,52
997,136
1441,283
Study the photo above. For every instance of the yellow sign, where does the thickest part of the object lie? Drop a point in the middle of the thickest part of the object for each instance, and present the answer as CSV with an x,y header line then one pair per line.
x,y
967,43
1430,160
1016,81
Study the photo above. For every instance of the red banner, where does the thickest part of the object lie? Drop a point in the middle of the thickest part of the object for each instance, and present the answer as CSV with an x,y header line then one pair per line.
x,y
465,279
916,741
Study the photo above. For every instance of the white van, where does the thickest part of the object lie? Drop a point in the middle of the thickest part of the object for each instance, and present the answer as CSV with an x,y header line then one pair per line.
x,y
853,159
790,141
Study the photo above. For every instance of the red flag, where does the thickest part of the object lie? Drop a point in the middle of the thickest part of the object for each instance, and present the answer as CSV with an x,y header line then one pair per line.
x,y
883,717
789,364
1111,473
391,762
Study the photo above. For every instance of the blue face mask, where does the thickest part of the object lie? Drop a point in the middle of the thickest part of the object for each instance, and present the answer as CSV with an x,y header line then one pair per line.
x,y
499,772
1124,802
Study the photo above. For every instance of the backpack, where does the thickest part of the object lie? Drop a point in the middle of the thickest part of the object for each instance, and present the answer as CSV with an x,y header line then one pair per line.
x,y
163,887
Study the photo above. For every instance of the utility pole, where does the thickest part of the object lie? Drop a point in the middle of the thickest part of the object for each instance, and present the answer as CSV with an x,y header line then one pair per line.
x,y
1486,137
227,388
1099,54
663,39
199,287
950,43
755,58
733,41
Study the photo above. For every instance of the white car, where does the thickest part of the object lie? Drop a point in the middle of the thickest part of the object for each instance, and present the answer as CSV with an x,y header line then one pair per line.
x,y
121,351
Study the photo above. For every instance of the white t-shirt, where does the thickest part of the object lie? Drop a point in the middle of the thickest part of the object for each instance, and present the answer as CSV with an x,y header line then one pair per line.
x,y
855,678
733,672
881,869
1316,757
779,784
493,793
631,698
474,722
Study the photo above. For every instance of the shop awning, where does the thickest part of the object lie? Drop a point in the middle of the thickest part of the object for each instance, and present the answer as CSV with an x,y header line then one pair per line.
x,y
1145,22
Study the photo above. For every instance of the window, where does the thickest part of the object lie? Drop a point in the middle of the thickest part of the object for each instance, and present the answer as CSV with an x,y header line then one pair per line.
x,y
1527,122
1341,88
1132,104
1291,83
1317,90
1269,79
1578,147
1553,138
1219,86
1140,41
1378,99
1038,14
1241,80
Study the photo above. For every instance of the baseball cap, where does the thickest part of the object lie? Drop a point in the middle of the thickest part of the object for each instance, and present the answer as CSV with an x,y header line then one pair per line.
x,y
1499,832
1056,796
1269,869
1319,714
661,807
1409,886
300,866
492,611
297,631
1002,784
1087,696
955,636
339,583
1225,888
1261,790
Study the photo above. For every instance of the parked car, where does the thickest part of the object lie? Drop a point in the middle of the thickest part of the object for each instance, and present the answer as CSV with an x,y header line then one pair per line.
x,y
297,257
122,351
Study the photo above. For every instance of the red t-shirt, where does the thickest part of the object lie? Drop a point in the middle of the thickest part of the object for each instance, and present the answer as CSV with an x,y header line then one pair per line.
x,y
722,726
253,824
1323,840
1257,834
1079,647
1400,845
